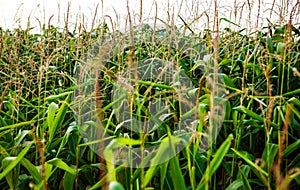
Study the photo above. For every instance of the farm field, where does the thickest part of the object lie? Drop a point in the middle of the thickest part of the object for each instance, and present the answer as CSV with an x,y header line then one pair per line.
x,y
153,106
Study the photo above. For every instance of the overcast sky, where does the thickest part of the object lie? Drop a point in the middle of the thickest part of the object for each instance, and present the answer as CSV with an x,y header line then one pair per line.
x,y
15,12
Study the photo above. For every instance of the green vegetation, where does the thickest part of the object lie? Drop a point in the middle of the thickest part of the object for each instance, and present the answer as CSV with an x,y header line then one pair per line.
x,y
42,142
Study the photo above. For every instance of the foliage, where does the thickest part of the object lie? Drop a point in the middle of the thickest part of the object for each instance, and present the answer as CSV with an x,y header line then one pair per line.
x,y
257,147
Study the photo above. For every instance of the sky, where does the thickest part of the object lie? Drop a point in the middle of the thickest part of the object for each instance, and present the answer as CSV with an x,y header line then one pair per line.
x,y
18,12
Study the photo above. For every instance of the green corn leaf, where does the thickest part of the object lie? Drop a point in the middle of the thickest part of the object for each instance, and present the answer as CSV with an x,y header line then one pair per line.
x,y
14,162
235,185
227,81
149,174
252,115
246,184
120,142
136,174
270,45
109,156
54,124
62,165
244,157
68,181
216,161
225,62
269,155
13,126
280,48
21,136
229,21
297,91
164,152
51,115
12,175
291,148
243,169
295,100
66,138
176,174
163,173
48,173
58,96
32,170
128,141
